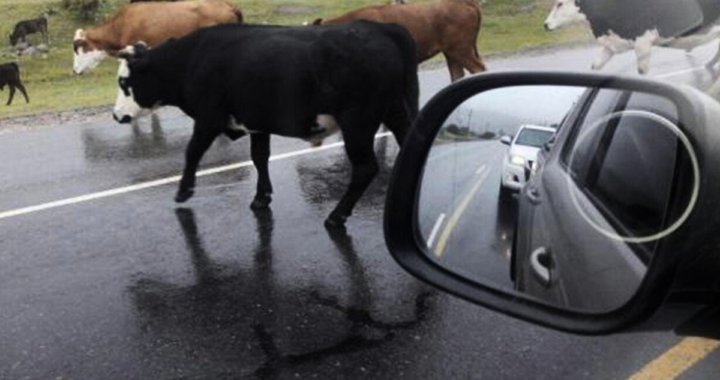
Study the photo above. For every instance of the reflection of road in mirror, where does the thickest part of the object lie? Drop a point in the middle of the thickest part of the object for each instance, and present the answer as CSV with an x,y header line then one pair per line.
x,y
247,322
467,228
466,215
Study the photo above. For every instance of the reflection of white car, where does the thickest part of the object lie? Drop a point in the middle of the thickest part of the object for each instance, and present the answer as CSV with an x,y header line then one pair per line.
x,y
521,155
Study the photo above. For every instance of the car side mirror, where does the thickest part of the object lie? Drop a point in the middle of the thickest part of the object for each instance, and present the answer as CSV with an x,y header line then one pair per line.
x,y
507,140
602,233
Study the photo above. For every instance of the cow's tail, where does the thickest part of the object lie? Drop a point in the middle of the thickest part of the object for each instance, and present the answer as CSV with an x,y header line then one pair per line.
x,y
478,25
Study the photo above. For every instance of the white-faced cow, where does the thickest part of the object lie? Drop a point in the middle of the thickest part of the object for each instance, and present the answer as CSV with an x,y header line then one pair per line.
x,y
10,76
623,25
450,27
267,80
152,23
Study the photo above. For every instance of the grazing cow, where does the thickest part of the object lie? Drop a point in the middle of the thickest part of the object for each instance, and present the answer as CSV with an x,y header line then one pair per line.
x,y
450,27
289,81
622,25
152,23
10,76
25,27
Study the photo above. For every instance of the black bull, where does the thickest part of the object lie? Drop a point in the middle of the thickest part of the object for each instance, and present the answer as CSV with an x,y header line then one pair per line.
x,y
276,80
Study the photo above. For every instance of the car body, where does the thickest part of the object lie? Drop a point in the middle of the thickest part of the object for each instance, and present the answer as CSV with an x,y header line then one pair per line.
x,y
606,179
521,154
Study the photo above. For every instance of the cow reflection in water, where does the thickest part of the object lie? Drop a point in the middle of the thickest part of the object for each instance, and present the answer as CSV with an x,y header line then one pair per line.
x,y
328,185
227,317
101,144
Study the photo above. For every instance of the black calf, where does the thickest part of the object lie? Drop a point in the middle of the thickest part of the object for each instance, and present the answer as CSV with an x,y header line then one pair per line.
x,y
10,75
25,27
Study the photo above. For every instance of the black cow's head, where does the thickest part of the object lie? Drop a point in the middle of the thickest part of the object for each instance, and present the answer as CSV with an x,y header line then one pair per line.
x,y
138,84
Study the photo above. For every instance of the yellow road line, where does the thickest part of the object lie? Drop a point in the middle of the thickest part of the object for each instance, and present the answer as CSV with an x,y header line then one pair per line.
x,y
677,359
458,213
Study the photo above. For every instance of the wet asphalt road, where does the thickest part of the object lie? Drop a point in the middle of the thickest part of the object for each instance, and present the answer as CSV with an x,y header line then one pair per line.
x,y
134,286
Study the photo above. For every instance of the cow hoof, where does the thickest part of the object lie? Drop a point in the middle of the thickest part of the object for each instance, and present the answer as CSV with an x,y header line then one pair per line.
x,y
261,202
334,222
184,195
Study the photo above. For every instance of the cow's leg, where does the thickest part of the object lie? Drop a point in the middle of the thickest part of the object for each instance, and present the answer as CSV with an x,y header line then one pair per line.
x,y
643,46
260,152
473,62
12,94
605,54
398,121
459,59
202,138
154,121
455,68
359,146
22,90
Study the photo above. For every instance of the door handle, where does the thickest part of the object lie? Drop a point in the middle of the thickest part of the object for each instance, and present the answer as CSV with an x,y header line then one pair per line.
x,y
541,265
533,194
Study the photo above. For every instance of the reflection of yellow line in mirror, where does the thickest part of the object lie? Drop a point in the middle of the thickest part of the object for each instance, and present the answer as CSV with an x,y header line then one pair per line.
x,y
678,359
459,210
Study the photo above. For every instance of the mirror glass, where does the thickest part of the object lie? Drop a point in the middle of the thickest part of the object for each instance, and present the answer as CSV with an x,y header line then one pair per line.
x,y
562,194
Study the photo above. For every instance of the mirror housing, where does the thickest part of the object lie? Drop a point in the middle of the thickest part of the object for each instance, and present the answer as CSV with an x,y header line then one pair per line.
x,y
507,140
678,285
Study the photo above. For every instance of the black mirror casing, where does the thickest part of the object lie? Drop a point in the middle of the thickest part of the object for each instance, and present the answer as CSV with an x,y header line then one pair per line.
x,y
678,284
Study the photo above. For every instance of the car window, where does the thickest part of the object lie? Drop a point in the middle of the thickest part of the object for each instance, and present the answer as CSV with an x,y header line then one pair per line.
x,y
634,180
533,137
626,165
604,102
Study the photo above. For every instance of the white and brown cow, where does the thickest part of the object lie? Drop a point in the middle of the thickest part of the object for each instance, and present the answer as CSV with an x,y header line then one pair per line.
x,y
623,25
152,23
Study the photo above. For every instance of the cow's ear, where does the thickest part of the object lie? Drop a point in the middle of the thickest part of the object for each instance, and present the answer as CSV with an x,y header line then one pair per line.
x,y
141,47
318,21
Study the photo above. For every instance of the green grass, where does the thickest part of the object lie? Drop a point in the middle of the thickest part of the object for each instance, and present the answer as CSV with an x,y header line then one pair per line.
x,y
508,26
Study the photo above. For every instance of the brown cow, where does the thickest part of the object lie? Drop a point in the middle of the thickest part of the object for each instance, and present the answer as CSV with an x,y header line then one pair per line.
x,y
152,23
450,27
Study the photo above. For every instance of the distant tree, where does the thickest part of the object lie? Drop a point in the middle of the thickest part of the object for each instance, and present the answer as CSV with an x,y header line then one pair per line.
x,y
454,129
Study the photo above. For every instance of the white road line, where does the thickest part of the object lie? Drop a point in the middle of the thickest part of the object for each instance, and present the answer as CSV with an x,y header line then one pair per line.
x,y
435,229
163,181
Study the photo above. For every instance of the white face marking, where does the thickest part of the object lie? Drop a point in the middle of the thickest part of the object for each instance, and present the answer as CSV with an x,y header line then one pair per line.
x,y
125,106
83,61
564,13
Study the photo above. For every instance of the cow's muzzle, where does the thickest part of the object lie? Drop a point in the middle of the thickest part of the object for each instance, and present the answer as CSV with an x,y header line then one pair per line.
x,y
126,119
